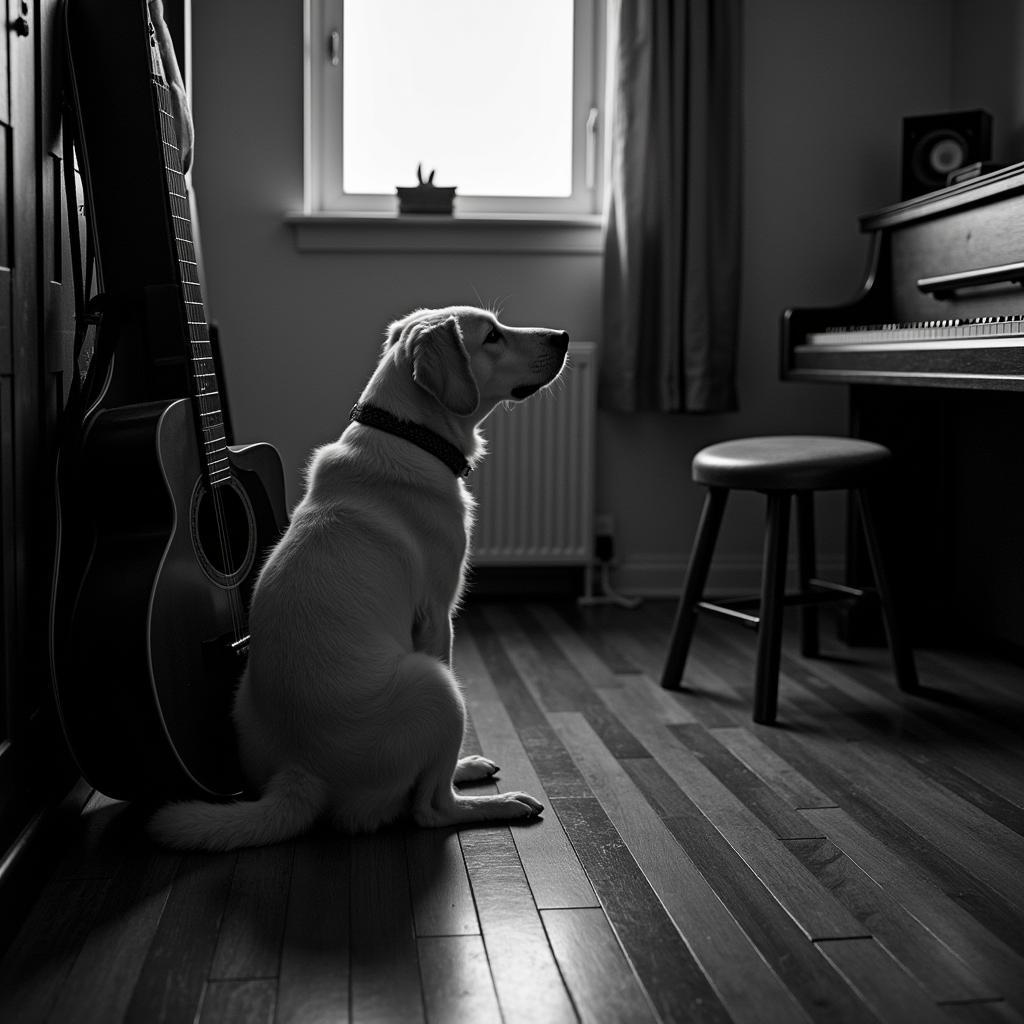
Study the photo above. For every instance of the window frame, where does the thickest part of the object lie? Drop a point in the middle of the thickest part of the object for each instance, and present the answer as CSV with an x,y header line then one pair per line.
x,y
322,191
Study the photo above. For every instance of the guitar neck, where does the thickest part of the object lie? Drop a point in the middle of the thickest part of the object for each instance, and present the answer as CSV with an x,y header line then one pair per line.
x,y
205,383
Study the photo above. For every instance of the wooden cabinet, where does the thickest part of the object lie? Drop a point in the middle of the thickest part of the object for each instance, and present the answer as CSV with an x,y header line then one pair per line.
x,y
36,334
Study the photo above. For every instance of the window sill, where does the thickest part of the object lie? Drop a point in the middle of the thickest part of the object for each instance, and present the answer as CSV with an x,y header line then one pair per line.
x,y
415,233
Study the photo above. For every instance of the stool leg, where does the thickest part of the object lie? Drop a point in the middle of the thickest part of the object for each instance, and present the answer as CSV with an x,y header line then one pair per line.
x,y
773,589
902,653
809,645
693,586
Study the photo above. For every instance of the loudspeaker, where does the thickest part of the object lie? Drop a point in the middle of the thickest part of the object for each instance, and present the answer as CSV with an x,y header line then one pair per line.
x,y
938,144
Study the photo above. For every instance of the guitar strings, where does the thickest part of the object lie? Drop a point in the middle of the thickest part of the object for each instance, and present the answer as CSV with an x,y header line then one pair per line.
x,y
210,419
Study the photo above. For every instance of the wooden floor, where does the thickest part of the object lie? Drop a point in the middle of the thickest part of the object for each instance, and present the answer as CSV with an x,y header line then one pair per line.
x,y
863,860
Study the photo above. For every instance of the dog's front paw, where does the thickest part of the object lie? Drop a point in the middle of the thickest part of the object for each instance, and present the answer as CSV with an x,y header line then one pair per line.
x,y
474,768
532,807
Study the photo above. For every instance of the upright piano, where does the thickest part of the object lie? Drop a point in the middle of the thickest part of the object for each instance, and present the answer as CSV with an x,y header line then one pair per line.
x,y
932,349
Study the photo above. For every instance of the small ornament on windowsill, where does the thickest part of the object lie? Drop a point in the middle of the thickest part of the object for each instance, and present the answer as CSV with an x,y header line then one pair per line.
x,y
426,197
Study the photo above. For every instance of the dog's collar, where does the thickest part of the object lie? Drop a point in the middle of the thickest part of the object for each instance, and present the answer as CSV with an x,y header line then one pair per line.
x,y
422,437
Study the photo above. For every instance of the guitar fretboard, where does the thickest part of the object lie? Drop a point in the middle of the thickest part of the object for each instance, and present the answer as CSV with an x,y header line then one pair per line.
x,y
206,387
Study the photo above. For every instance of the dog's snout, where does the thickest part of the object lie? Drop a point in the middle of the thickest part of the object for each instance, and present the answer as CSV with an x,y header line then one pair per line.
x,y
559,340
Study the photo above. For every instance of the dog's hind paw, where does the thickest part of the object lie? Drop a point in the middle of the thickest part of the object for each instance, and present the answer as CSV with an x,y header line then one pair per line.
x,y
474,768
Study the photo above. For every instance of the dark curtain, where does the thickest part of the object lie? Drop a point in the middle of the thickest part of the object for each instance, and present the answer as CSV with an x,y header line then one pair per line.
x,y
672,235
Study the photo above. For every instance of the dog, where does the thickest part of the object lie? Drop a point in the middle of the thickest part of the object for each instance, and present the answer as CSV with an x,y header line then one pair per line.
x,y
348,710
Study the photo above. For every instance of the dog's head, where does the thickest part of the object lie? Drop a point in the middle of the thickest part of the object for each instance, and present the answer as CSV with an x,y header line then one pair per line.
x,y
466,360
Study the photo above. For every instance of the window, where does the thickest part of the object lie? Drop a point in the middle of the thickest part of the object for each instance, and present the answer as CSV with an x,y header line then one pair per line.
x,y
496,97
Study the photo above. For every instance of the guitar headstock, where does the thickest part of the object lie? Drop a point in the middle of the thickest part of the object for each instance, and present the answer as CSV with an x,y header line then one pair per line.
x,y
155,60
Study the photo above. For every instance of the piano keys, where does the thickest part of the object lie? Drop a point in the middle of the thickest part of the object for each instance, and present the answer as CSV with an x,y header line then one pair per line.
x,y
941,303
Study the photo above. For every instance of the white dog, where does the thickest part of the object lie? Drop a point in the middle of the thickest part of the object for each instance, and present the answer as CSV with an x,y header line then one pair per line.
x,y
348,709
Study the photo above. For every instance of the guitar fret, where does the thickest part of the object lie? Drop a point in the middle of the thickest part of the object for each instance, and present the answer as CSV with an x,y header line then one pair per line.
x,y
218,469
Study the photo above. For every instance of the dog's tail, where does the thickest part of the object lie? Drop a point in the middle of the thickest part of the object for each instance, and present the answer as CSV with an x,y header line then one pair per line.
x,y
290,804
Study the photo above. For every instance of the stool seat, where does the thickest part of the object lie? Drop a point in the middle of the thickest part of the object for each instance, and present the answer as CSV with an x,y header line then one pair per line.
x,y
789,463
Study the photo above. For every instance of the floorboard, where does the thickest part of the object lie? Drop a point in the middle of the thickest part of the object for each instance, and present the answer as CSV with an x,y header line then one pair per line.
x,y
857,862
313,983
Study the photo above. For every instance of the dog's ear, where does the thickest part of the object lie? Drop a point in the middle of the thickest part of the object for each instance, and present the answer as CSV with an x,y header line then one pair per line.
x,y
440,365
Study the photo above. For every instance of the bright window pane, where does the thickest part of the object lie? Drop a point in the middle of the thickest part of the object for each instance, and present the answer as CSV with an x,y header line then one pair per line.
x,y
480,90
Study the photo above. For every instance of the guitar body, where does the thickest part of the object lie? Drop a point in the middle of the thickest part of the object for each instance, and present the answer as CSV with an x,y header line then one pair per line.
x,y
149,662
162,524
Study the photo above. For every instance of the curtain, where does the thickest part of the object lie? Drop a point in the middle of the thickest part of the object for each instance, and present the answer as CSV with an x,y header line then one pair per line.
x,y
672,227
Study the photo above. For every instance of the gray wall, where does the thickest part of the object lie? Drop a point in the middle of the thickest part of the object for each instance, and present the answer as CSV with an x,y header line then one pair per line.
x,y
826,87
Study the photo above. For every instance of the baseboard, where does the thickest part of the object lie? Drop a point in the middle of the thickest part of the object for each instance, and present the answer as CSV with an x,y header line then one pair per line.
x,y
25,865
490,582
650,576
656,576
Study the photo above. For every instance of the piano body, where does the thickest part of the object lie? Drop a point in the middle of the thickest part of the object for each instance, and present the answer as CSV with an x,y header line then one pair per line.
x,y
932,349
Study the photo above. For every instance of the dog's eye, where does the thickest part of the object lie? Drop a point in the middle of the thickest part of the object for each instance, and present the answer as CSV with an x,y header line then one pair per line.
x,y
493,336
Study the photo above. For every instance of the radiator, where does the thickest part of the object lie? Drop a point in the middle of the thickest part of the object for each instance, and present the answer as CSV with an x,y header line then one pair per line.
x,y
535,488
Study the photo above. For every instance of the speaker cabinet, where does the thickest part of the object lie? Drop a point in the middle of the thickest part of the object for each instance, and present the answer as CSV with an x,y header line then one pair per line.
x,y
938,144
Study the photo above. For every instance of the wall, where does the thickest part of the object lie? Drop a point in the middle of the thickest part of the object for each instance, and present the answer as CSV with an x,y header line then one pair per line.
x,y
987,70
826,86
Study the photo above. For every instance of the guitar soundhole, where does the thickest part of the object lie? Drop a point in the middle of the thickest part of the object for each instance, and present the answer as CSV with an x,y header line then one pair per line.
x,y
224,532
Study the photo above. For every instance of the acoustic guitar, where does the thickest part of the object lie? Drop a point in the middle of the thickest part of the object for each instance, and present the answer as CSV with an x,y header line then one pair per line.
x,y
162,523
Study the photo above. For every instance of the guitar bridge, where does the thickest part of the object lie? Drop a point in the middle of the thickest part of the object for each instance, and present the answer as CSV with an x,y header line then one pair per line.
x,y
226,655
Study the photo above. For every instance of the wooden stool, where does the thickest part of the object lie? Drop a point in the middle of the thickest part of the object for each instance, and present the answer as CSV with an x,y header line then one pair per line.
x,y
783,467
